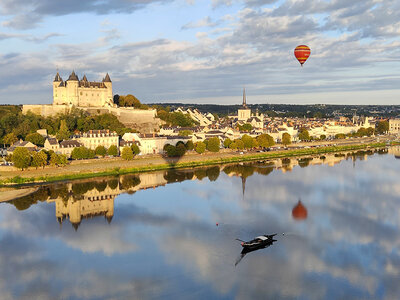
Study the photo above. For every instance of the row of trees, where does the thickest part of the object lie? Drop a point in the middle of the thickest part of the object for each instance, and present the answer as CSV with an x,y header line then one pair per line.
x,y
85,153
23,158
128,153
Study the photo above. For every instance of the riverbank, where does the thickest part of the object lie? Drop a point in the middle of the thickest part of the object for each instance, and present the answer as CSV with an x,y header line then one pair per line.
x,y
7,195
117,166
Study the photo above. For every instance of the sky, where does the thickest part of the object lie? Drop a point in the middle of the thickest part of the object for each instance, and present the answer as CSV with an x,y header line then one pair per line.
x,y
204,51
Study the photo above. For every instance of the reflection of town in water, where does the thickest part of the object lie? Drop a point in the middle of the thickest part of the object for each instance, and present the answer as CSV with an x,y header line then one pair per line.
x,y
78,200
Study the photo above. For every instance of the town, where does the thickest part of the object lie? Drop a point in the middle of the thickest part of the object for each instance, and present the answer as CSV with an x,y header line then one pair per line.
x,y
156,131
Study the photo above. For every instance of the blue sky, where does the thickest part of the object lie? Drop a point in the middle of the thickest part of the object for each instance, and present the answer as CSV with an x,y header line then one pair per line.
x,y
200,51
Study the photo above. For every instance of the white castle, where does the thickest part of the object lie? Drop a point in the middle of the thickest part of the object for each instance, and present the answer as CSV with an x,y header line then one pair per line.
x,y
82,93
94,98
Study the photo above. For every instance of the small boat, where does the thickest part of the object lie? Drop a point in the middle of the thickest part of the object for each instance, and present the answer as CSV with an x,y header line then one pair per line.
x,y
258,242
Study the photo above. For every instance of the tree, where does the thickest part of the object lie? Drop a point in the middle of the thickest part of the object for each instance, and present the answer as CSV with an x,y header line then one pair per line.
x,y
237,144
63,133
62,160
382,127
304,135
21,158
113,150
286,139
100,150
200,147
265,140
135,149
340,136
127,153
35,138
171,150
189,145
185,133
248,141
10,139
322,137
213,144
370,131
39,159
246,127
180,149
227,142
54,159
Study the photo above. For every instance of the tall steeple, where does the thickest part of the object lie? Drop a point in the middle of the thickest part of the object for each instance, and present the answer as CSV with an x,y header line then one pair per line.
x,y
244,98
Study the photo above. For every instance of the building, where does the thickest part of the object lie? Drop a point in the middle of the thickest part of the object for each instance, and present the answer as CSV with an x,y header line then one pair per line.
x,y
94,138
394,126
51,144
66,147
244,113
25,144
82,92
94,97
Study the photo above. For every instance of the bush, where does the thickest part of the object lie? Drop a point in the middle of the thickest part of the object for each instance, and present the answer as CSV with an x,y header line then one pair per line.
x,y
113,150
135,149
227,142
127,153
189,145
180,150
213,144
200,147
100,151
171,151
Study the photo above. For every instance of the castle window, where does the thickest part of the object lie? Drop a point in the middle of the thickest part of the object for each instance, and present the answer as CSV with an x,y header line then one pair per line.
x,y
81,93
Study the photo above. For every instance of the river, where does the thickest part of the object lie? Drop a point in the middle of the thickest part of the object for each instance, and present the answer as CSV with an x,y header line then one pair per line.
x,y
172,234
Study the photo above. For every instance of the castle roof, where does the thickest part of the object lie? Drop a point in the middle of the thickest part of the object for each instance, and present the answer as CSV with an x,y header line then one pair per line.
x,y
84,78
73,77
107,78
57,78
62,83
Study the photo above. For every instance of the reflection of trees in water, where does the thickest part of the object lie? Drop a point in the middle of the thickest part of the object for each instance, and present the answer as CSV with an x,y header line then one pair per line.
x,y
81,188
383,151
213,173
25,202
129,181
177,176
200,173
305,161
100,186
113,183
241,170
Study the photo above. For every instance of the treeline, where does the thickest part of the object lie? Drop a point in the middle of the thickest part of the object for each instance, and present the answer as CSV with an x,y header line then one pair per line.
x,y
14,125
22,158
214,145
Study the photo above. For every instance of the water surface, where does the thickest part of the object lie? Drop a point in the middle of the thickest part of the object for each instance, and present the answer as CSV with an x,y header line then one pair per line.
x,y
171,235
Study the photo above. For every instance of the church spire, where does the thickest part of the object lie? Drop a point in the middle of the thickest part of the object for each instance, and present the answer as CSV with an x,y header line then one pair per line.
x,y
244,98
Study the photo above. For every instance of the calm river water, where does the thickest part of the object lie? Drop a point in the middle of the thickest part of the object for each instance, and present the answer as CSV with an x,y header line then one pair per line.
x,y
171,235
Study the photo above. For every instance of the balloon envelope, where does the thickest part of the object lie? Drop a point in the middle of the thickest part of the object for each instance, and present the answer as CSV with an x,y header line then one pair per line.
x,y
302,52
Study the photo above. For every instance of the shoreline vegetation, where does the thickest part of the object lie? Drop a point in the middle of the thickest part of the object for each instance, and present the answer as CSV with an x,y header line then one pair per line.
x,y
176,164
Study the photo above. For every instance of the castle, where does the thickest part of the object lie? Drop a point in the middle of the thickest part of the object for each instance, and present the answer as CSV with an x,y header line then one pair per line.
x,y
82,93
94,98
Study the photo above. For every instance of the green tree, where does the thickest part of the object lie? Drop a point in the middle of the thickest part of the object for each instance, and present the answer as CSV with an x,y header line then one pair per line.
x,y
35,138
189,145
170,150
246,127
100,150
39,159
248,141
213,144
370,131
200,147
382,127
54,159
62,160
185,133
127,153
304,135
10,139
322,137
180,150
265,140
77,153
63,133
286,139
21,158
227,142
237,144
113,150
135,149
340,136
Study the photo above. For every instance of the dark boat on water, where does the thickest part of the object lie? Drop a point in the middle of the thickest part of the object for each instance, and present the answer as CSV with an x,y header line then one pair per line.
x,y
260,242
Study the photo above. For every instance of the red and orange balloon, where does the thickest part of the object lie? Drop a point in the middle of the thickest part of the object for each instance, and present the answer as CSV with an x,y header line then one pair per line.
x,y
302,52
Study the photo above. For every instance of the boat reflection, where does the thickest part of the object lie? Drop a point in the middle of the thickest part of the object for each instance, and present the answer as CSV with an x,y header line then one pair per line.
x,y
258,243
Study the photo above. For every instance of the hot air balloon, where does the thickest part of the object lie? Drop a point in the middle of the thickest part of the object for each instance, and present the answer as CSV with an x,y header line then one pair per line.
x,y
302,52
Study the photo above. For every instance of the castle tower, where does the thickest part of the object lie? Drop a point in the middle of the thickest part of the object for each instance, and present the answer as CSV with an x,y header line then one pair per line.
x,y
56,83
72,89
109,95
